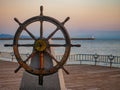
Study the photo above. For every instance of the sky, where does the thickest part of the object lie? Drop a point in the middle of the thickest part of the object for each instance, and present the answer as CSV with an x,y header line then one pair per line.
x,y
100,18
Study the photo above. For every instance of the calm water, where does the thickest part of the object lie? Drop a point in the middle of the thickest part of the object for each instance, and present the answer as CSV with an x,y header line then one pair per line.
x,y
102,47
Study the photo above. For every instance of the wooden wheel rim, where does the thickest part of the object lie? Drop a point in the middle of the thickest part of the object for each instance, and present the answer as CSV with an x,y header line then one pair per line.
x,y
67,48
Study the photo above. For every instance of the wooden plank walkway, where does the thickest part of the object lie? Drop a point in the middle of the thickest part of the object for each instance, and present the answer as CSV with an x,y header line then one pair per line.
x,y
88,77
82,77
8,79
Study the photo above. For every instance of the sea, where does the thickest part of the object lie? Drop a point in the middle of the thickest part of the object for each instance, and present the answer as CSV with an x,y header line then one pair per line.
x,y
101,47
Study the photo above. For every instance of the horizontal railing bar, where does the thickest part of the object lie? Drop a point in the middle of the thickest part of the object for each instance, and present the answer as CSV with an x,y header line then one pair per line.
x,y
78,57
92,58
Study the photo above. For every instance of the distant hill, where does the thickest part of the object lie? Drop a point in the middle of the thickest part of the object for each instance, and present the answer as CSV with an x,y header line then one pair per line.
x,y
10,37
6,36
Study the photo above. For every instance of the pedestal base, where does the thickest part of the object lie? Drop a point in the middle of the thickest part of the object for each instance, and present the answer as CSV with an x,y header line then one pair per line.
x,y
30,82
50,82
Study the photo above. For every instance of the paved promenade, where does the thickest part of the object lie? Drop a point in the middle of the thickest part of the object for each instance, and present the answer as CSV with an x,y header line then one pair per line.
x,y
82,77
88,77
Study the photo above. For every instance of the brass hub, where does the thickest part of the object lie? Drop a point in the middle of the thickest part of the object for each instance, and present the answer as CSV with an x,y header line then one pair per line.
x,y
40,45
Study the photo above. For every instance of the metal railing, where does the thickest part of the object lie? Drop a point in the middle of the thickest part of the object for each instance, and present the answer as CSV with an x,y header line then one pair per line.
x,y
9,56
107,60
95,58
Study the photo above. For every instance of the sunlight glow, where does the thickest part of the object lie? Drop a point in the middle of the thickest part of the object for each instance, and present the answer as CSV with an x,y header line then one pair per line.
x,y
89,15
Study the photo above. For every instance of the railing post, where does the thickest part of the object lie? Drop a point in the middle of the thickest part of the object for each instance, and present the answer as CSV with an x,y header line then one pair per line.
x,y
80,56
95,57
12,54
111,57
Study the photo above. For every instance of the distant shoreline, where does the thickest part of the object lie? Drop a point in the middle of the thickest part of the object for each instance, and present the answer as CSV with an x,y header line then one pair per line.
x,y
52,38
13,38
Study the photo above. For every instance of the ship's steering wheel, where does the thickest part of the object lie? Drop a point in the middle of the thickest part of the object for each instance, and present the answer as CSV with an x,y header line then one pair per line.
x,y
41,45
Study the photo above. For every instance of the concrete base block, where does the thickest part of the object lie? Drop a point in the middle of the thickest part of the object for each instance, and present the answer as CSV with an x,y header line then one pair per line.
x,y
30,82
50,82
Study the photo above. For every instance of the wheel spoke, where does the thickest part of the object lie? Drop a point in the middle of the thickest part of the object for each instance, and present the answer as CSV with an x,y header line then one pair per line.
x,y
48,52
41,61
25,45
56,60
30,56
41,29
21,45
58,45
25,28
64,45
57,28
41,22
65,20
41,10
30,34
52,33
41,68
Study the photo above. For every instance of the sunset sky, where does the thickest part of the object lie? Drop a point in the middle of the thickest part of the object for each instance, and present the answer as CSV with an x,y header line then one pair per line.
x,y
100,18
